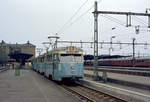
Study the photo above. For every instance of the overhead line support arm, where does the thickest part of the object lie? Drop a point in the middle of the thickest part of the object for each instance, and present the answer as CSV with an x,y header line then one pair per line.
x,y
122,13
128,14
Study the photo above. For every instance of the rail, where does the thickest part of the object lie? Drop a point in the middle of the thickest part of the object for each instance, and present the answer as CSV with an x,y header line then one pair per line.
x,y
123,71
88,94
123,68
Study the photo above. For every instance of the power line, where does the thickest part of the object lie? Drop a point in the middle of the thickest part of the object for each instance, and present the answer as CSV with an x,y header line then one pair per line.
x,y
73,16
84,13
78,18
141,20
81,16
122,24
114,20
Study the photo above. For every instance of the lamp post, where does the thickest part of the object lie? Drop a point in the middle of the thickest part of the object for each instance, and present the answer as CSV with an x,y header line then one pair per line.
x,y
111,44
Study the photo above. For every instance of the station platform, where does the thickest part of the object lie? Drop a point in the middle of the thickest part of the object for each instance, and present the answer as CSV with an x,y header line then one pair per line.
x,y
30,87
128,95
130,82
124,77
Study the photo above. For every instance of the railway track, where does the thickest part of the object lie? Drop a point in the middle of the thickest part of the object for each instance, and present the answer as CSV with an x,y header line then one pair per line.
x,y
123,71
87,94
121,68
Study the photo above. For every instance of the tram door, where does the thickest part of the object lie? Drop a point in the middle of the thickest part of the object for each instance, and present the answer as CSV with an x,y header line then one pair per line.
x,y
55,66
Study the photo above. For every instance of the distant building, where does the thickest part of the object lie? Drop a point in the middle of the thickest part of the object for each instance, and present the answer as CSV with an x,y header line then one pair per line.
x,y
6,49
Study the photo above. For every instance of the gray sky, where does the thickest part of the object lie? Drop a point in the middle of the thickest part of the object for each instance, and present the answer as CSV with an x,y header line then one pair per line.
x,y
35,20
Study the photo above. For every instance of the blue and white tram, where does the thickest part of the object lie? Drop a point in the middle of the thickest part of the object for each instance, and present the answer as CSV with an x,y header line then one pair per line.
x,y
61,63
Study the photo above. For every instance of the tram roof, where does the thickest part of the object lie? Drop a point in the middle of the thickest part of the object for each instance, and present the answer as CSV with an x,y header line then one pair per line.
x,y
68,48
61,49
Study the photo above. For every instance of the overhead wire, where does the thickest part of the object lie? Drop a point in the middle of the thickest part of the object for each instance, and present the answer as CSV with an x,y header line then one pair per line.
x,y
140,20
122,23
69,23
81,16
78,18
106,16
73,15
145,25
114,20
83,13
117,21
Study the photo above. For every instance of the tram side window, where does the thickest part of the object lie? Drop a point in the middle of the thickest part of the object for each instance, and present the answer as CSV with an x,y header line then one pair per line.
x,y
40,59
55,57
49,57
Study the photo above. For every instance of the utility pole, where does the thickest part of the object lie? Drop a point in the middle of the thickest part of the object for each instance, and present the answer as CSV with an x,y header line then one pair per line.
x,y
133,57
148,9
95,42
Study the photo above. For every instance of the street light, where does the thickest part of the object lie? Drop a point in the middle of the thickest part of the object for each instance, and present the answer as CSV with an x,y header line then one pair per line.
x,y
111,44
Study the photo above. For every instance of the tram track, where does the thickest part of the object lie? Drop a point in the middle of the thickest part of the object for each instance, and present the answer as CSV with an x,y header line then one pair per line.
x,y
88,94
123,71
120,68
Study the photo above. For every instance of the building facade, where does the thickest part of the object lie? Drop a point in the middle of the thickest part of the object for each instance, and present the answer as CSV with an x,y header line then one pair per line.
x,y
6,49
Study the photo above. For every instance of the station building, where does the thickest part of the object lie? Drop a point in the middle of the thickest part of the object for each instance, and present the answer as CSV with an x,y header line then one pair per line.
x,y
6,49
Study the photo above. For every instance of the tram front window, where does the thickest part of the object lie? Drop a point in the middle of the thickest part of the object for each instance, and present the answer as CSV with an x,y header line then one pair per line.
x,y
76,58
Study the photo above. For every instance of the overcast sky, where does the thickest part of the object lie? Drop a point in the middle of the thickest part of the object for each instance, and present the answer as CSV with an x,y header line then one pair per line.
x,y
35,20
